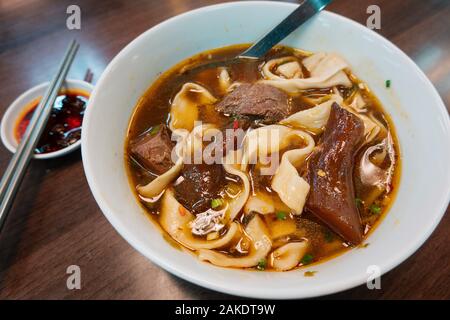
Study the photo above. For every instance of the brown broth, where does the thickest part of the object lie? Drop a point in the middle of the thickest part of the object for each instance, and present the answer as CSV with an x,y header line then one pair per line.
x,y
153,109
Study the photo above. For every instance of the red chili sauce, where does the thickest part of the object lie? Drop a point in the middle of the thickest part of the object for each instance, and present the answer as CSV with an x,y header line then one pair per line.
x,y
64,124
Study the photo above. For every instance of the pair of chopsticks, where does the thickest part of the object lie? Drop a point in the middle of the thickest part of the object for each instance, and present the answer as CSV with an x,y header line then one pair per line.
x,y
16,169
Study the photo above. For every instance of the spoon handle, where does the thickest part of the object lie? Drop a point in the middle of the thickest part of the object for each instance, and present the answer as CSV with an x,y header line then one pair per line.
x,y
305,10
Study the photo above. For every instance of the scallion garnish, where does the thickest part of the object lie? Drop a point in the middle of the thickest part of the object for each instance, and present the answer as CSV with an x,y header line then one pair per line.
x,y
154,130
281,215
216,203
262,264
307,258
375,209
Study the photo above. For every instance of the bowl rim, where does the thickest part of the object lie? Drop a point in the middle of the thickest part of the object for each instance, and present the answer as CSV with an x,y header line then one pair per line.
x,y
323,289
30,95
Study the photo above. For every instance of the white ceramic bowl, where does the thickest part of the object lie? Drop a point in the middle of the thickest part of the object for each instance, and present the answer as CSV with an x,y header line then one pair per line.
x,y
16,108
420,117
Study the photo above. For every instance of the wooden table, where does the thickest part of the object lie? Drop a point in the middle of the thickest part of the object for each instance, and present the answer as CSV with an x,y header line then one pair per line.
x,y
55,221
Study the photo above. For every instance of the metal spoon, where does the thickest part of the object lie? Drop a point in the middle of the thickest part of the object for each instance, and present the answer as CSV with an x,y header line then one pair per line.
x,y
305,10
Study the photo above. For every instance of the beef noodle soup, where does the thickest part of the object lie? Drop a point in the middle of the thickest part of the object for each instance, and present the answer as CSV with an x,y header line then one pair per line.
x,y
270,164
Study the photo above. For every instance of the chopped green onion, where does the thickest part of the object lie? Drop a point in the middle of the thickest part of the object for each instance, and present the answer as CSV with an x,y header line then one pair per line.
x,y
216,203
358,202
155,130
375,209
307,258
388,83
262,264
281,215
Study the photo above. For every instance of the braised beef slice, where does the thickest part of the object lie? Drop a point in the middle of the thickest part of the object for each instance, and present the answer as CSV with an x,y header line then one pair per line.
x,y
153,151
330,172
200,184
256,100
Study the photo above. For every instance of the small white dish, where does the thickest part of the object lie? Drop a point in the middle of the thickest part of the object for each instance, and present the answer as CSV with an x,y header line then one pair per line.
x,y
420,117
16,109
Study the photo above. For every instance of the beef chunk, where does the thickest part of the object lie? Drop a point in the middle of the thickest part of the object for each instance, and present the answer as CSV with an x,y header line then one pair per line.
x,y
258,101
200,184
330,175
153,151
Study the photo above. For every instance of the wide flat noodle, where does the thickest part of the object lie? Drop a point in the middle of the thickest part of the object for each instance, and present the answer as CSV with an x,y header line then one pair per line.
x,y
270,140
326,70
259,249
357,103
313,119
323,63
284,68
288,256
372,127
263,141
231,165
175,220
184,108
260,203
291,188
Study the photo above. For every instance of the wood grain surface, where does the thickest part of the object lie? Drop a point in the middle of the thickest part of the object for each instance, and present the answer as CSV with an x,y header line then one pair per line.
x,y
55,221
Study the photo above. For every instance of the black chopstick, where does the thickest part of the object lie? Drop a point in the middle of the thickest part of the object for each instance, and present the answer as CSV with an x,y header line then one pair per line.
x,y
17,166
